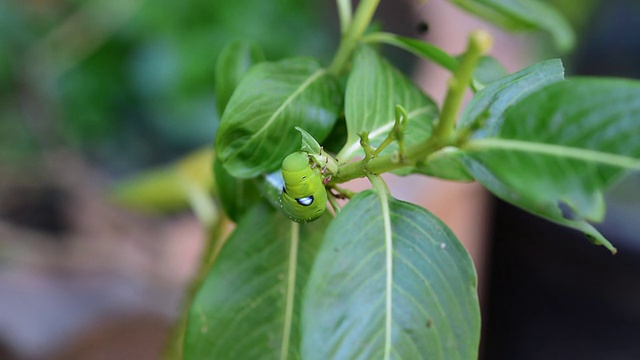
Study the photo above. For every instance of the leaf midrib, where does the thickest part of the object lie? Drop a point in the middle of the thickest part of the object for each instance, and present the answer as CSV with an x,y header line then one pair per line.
x,y
299,90
291,281
388,240
560,151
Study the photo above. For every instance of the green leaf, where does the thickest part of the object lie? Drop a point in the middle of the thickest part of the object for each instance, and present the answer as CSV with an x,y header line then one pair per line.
x,y
390,281
235,59
374,89
257,129
487,70
489,106
561,147
486,111
309,144
236,195
249,305
523,15
418,47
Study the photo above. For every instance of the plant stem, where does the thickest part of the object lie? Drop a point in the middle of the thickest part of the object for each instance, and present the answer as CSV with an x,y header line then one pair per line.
x,y
413,155
345,13
350,38
444,132
334,204
479,44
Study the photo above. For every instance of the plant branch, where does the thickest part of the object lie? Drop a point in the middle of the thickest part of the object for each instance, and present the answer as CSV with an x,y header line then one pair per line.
x,y
352,36
444,132
345,13
413,155
479,44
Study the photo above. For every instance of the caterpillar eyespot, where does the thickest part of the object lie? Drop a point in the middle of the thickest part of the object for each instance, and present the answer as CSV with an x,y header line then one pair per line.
x,y
303,197
305,201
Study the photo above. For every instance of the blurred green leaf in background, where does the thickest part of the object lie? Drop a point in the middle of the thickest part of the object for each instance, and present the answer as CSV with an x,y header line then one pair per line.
x,y
130,83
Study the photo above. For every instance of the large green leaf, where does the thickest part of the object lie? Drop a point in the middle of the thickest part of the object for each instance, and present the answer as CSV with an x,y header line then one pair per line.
x,y
519,15
234,61
486,112
559,148
488,107
257,129
235,195
374,89
249,305
390,281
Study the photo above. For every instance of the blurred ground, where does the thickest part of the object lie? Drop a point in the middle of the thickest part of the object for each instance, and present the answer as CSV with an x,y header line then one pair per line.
x,y
82,278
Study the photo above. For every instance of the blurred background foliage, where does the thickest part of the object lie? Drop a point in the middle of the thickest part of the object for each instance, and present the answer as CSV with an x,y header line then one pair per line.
x,y
129,83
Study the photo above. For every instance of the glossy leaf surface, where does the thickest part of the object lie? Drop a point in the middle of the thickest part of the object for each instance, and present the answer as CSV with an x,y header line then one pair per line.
x,y
257,129
559,148
486,112
374,89
249,305
391,281
488,107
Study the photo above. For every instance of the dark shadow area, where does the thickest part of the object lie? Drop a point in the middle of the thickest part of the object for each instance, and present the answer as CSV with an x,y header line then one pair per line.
x,y
553,295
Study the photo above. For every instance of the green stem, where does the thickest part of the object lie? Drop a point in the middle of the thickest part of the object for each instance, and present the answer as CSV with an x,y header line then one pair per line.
x,y
479,44
345,13
351,37
346,193
444,133
334,203
413,155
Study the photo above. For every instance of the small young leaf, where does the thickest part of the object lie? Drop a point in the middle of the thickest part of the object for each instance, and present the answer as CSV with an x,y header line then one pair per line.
x,y
563,144
309,144
249,305
488,70
519,15
234,61
374,89
390,281
257,129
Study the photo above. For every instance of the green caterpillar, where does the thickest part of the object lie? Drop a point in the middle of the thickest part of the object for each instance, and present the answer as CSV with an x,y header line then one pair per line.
x,y
304,197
